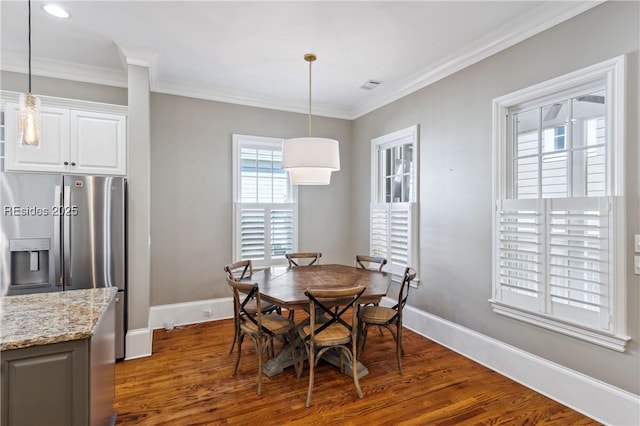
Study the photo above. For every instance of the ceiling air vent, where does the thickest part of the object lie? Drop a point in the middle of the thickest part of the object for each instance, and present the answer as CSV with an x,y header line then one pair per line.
x,y
371,84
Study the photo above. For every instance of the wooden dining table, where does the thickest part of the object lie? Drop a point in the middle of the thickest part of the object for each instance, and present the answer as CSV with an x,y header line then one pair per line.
x,y
285,286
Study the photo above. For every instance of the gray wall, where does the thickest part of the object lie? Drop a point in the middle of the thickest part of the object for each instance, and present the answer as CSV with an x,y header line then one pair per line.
x,y
191,200
456,183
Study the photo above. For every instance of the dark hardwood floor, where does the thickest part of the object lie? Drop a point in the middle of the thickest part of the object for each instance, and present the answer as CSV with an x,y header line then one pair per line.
x,y
188,381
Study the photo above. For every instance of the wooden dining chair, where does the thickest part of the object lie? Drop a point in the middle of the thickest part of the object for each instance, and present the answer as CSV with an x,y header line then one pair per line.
x,y
239,271
334,333
261,328
303,259
388,318
371,263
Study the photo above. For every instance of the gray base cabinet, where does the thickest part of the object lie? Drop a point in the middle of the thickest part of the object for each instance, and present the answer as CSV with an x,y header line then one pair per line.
x,y
66,384
46,385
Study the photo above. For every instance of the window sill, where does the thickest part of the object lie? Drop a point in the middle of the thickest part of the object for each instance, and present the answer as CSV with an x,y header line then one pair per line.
x,y
607,340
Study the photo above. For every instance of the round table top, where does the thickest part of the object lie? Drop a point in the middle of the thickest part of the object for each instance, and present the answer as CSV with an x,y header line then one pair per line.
x,y
285,286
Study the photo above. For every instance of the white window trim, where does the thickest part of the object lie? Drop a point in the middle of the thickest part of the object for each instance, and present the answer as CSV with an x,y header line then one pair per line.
x,y
614,71
267,142
386,141
377,146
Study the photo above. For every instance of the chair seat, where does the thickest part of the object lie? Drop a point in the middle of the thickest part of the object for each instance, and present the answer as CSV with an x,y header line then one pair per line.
x,y
251,307
335,334
377,314
276,323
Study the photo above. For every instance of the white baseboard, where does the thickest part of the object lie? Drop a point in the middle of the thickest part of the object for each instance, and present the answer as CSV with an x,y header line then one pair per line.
x,y
191,312
600,401
138,343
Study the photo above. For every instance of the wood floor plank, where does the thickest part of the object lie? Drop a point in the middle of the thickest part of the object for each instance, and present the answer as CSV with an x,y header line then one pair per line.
x,y
188,382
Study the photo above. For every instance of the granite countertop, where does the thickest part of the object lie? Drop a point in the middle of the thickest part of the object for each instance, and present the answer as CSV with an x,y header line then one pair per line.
x,y
46,318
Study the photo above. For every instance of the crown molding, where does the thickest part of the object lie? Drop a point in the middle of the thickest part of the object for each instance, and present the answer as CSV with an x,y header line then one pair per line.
x,y
249,99
543,17
54,101
63,70
139,56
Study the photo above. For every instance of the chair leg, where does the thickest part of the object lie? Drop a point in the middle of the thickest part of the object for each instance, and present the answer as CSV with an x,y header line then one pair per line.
x,y
261,346
399,350
359,334
354,371
363,338
273,350
236,332
291,314
303,347
379,327
238,353
292,343
311,354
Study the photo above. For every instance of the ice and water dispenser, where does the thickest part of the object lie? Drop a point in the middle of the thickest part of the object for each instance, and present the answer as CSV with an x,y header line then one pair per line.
x,y
29,262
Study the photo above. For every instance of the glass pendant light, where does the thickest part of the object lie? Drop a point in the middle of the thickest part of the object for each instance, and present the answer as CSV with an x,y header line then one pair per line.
x,y
29,110
310,160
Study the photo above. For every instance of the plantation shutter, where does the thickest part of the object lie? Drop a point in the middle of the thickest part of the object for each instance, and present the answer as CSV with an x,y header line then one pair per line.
x,y
265,232
520,257
379,230
282,230
251,229
579,255
391,231
553,257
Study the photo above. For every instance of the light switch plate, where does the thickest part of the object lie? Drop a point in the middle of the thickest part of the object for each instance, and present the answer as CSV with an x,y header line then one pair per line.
x,y
636,264
636,243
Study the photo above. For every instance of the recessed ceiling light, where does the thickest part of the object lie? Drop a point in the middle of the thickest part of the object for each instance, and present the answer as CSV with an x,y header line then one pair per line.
x,y
55,10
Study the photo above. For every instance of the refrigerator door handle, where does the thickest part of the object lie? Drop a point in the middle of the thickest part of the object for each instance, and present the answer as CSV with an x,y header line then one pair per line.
x,y
57,246
66,242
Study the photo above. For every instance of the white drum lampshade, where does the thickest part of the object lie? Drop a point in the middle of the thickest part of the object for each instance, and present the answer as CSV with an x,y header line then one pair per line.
x,y
309,160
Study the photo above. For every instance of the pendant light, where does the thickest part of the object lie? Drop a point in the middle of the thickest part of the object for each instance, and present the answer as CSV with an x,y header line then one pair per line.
x,y
29,110
309,160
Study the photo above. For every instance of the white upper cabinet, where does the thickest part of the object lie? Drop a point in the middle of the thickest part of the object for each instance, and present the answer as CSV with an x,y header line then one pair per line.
x,y
98,143
72,141
52,153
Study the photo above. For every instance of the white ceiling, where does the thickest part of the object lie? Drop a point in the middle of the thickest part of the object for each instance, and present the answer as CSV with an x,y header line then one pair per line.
x,y
252,52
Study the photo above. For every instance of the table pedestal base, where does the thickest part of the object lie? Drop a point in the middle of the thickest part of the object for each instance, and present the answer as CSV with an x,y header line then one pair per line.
x,y
277,364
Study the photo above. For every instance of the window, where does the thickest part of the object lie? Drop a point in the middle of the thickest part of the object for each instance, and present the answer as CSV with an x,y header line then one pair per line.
x,y
393,217
558,243
556,159
265,207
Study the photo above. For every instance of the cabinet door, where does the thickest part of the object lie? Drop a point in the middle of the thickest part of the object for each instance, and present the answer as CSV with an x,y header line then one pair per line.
x,y
53,151
98,143
46,385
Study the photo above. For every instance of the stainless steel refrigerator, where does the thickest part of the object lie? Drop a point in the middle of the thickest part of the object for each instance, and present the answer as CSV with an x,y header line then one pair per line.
x,y
64,232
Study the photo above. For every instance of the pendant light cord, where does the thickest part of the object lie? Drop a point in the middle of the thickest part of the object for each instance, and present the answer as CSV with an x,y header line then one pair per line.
x,y
29,46
310,98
